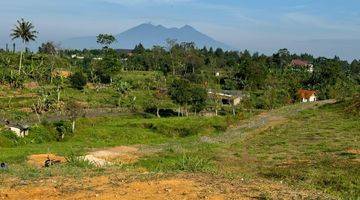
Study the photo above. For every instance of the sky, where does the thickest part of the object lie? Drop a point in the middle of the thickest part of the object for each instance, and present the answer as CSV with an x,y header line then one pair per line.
x,y
321,27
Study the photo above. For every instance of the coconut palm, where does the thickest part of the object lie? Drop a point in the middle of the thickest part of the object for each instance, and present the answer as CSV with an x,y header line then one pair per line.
x,y
25,31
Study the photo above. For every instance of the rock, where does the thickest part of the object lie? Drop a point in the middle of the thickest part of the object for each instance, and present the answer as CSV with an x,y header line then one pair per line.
x,y
4,166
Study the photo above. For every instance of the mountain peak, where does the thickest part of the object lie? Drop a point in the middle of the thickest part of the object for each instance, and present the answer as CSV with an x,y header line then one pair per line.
x,y
149,35
187,27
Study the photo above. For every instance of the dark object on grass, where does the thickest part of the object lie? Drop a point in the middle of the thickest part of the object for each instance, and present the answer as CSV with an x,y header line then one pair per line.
x,y
3,166
50,162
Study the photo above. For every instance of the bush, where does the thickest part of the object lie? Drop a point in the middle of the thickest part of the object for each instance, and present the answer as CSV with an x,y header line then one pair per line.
x,y
189,163
76,161
103,76
78,80
14,79
354,105
8,139
63,129
40,134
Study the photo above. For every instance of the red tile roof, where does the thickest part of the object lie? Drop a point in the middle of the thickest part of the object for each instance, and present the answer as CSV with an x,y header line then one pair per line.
x,y
306,94
298,62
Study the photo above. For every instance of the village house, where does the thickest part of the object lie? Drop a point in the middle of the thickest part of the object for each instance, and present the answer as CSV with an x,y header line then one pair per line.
x,y
19,130
307,95
303,64
74,56
228,97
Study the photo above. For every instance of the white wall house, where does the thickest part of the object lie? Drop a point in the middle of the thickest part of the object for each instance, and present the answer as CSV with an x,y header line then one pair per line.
x,y
311,99
20,132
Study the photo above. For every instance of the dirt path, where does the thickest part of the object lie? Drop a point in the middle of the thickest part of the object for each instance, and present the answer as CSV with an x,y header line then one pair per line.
x,y
267,120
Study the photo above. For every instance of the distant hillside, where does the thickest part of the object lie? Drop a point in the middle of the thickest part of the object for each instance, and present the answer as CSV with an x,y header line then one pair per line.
x,y
149,35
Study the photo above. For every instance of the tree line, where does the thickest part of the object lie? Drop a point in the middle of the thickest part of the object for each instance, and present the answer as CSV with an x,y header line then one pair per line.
x,y
272,80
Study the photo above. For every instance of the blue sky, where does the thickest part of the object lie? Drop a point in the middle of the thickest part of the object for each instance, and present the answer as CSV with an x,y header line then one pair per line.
x,y
321,27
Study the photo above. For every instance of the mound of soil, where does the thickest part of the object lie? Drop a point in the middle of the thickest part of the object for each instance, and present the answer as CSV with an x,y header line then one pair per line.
x,y
38,160
121,154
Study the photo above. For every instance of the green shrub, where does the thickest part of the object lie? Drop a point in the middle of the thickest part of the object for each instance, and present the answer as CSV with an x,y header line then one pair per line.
x,y
78,80
63,129
40,134
8,139
76,161
354,105
190,163
5,142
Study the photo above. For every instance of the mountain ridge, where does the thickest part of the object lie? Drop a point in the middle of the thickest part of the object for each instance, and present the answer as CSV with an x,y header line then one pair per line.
x,y
149,35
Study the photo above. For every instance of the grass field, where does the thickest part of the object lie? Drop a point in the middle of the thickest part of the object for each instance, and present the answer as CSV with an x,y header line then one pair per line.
x,y
305,146
317,148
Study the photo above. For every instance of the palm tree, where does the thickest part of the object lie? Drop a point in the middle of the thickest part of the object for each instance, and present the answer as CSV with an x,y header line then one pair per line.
x,y
25,31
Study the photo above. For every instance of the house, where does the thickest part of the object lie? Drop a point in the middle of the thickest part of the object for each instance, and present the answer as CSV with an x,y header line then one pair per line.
x,y
19,130
307,95
228,97
74,56
302,64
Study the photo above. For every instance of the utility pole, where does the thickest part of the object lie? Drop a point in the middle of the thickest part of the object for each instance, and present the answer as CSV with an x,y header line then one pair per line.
x,y
7,47
13,47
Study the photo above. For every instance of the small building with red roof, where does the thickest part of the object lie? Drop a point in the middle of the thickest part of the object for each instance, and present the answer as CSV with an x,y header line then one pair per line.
x,y
302,64
307,95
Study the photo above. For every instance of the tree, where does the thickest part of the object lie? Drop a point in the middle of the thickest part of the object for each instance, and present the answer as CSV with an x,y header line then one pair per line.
x,y
139,49
219,52
25,31
198,99
159,96
175,51
160,93
123,88
48,48
105,39
180,93
59,82
78,80
355,70
43,103
74,110
193,62
282,58
108,66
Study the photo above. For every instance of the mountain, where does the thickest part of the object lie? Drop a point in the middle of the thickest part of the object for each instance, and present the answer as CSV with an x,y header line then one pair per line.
x,y
149,35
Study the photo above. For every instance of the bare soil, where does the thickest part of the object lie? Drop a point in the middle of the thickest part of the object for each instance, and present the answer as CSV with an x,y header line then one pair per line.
x,y
38,160
183,186
118,155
